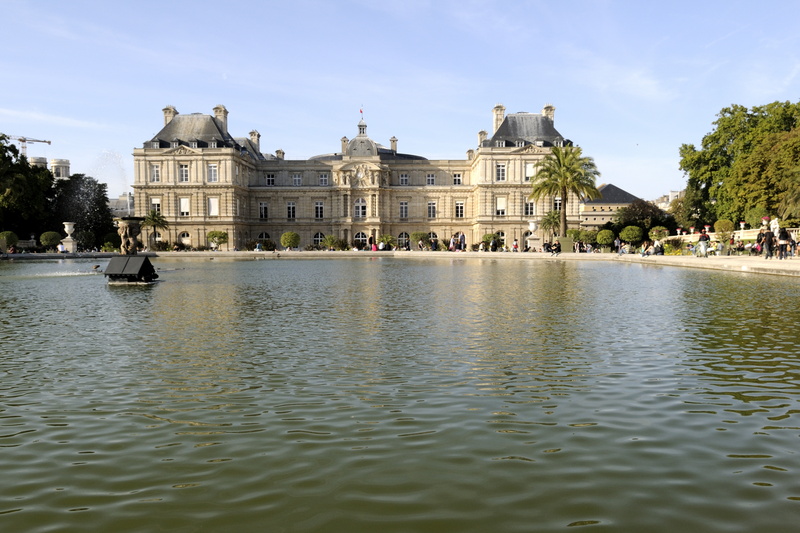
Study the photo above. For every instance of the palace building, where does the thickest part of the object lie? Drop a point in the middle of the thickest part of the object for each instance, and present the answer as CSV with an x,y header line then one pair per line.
x,y
201,179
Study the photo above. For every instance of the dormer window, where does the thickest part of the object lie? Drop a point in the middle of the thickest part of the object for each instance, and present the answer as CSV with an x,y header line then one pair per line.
x,y
540,143
155,144
212,143
499,144
520,144
193,144
175,143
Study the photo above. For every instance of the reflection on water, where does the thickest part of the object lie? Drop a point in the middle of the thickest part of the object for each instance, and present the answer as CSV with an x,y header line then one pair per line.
x,y
398,395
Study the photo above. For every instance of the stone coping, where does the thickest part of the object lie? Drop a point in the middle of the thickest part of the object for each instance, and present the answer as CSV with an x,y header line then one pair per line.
x,y
731,263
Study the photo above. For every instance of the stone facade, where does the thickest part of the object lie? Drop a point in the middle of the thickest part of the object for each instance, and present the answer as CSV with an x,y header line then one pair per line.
x,y
203,179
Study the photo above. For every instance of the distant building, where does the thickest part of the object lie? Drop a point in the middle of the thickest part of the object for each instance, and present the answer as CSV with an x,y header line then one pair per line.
x,y
59,167
122,206
596,213
200,178
663,202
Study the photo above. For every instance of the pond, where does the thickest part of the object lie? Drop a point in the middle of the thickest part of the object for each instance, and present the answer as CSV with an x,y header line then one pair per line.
x,y
398,395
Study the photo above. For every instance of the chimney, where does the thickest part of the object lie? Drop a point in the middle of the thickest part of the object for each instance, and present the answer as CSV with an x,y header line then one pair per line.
x,y
221,114
499,114
169,114
280,154
393,142
255,138
549,111
470,155
345,140
481,137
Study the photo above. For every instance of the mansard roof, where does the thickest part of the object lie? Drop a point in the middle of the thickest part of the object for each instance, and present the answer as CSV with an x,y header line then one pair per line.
x,y
203,129
611,194
528,128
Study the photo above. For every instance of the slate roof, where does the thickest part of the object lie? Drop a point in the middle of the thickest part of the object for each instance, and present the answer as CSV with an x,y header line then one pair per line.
x,y
200,128
384,153
526,127
611,194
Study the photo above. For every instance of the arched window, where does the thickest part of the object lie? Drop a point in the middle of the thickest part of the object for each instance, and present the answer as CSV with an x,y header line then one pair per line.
x,y
318,238
432,235
263,236
502,235
157,235
185,239
402,240
360,210
360,239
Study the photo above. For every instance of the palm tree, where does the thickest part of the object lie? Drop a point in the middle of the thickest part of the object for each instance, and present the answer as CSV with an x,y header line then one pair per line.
x,y
551,222
156,221
562,172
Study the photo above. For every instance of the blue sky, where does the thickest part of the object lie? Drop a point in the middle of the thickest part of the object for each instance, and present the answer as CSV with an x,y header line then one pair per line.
x,y
631,81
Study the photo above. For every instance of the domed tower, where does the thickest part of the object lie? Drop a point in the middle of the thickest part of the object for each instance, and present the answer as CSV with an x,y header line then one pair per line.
x,y
362,146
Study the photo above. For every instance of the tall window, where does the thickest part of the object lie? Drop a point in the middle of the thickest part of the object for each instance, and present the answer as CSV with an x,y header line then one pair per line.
x,y
431,209
319,210
183,173
403,209
459,209
500,207
270,180
213,207
155,205
360,209
402,240
404,179
183,207
323,178
500,172
291,210
457,179
430,179
297,179
557,203
318,238
155,173
360,239
213,176
263,210
530,171
529,208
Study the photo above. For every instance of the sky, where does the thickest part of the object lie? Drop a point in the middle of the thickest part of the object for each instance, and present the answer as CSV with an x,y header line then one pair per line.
x,y
631,81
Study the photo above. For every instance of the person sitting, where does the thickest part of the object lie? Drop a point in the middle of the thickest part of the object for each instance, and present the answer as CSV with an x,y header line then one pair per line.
x,y
556,249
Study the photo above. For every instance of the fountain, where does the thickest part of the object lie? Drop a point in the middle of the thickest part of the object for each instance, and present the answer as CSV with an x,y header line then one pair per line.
x,y
128,267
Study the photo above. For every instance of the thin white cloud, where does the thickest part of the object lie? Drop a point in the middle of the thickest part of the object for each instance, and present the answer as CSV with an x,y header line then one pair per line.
x,y
35,116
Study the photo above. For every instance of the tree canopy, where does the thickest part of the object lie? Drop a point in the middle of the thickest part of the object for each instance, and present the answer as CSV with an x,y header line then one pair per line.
x,y
749,160
25,192
562,172
83,200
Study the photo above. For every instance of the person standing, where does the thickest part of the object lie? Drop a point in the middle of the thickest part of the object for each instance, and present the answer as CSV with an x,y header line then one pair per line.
x,y
783,243
462,239
768,243
703,241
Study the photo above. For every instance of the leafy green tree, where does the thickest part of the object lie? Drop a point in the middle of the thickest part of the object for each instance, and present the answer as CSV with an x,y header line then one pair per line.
x,y
50,239
551,223
658,232
755,215
25,192
631,234
83,200
388,240
217,238
605,237
724,230
643,214
743,163
290,239
157,222
10,237
85,239
331,242
588,236
562,172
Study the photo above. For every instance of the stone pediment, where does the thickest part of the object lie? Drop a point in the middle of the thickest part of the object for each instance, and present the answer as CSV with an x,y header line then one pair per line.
x,y
183,150
361,174
532,149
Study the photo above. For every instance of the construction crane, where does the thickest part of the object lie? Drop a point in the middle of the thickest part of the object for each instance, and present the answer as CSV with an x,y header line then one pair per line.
x,y
23,143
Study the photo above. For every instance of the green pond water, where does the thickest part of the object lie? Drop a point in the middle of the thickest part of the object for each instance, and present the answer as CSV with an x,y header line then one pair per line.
x,y
398,395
